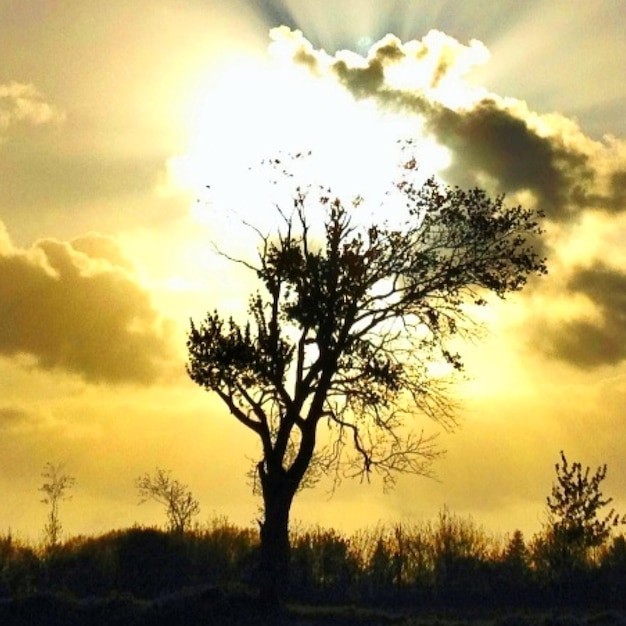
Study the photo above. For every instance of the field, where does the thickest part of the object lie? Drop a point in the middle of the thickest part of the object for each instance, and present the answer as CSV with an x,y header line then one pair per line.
x,y
202,607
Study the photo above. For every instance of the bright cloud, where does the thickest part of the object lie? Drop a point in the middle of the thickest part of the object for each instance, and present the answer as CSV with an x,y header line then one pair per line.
x,y
492,139
20,102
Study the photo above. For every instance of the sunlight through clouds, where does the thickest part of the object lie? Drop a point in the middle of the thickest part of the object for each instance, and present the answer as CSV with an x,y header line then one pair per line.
x,y
258,109
351,110
263,110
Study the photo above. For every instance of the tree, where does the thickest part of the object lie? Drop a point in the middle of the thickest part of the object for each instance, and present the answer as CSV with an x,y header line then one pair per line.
x,y
575,526
345,330
515,555
55,490
513,570
180,505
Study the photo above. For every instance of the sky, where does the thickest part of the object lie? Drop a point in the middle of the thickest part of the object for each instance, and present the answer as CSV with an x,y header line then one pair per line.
x,y
127,134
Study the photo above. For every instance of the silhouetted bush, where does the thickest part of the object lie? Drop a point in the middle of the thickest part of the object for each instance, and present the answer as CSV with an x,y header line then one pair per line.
x,y
20,568
150,562
143,562
613,572
322,564
83,566
449,563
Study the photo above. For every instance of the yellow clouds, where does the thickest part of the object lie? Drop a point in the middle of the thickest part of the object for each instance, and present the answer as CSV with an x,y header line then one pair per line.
x,y
589,328
21,102
74,306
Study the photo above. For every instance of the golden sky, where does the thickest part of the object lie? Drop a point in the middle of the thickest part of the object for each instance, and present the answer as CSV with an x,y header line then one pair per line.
x,y
116,116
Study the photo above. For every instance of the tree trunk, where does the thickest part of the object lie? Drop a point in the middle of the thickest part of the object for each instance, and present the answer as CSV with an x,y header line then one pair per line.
x,y
275,548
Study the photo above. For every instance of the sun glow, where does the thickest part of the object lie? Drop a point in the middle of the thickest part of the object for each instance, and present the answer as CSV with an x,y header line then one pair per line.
x,y
258,108
257,111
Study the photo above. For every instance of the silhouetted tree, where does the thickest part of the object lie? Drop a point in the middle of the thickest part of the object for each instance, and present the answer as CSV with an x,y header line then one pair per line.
x,y
512,570
180,505
574,513
515,555
55,489
346,329
461,548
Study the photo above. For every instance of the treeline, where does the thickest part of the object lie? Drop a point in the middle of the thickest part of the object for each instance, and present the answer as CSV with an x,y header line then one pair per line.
x,y
448,562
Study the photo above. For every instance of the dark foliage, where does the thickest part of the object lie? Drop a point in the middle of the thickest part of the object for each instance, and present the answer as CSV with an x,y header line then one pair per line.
x,y
574,509
141,562
147,576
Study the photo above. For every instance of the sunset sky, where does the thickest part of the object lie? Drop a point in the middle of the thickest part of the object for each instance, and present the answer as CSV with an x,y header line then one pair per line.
x,y
115,117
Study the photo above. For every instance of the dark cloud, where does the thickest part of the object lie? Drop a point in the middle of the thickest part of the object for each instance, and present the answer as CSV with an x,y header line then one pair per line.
x,y
597,341
616,199
489,138
361,81
612,200
74,306
501,144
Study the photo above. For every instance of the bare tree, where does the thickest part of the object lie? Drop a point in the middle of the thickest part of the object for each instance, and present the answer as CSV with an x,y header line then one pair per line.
x,y
345,331
180,505
55,490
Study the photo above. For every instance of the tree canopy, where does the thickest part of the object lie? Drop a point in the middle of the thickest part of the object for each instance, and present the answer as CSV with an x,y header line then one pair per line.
x,y
346,330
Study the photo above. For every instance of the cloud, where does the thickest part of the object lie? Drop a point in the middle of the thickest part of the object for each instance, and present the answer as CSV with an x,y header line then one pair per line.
x,y
499,143
596,339
20,102
493,141
10,416
75,306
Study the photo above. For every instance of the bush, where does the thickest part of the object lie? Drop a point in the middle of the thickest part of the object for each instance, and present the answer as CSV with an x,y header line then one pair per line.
x,y
20,568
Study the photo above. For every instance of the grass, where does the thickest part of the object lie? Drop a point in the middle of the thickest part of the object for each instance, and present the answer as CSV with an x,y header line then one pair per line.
x,y
202,606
